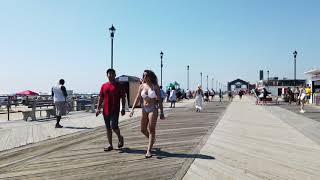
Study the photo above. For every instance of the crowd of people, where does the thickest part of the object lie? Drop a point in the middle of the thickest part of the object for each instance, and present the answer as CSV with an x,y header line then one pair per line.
x,y
298,95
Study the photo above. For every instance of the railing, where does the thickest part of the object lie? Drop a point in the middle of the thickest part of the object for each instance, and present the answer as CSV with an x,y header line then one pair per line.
x,y
74,103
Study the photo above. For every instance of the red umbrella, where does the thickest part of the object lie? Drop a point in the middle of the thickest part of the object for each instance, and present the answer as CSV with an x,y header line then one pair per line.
x,y
26,93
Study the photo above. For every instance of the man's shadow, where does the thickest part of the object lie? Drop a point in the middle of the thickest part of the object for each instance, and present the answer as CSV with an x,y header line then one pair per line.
x,y
69,127
164,154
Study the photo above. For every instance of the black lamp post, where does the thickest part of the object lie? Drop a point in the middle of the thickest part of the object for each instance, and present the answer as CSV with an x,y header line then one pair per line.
x,y
112,30
207,82
268,78
216,86
161,56
212,84
201,78
295,62
188,76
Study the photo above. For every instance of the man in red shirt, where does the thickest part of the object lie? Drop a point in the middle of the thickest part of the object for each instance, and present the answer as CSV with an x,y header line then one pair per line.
x,y
110,95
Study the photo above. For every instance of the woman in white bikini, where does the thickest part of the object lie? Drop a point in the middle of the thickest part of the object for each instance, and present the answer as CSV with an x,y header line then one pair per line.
x,y
149,91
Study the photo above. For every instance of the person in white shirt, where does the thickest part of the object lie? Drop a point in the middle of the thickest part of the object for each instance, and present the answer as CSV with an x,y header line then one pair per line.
x,y
302,97
59,94
173,97
198,99
162,94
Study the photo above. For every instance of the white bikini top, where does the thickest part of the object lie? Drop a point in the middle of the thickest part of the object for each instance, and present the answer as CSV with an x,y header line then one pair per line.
x,y
151,94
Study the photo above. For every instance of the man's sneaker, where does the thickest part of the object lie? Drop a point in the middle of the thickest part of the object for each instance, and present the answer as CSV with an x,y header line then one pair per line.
x,y
302,111
108,148
59,126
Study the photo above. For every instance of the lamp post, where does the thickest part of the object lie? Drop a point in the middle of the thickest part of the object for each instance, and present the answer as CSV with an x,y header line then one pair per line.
x,y
295,62
201,78
112,30
207,82
268,78
188,76
161,56
216,86
212,84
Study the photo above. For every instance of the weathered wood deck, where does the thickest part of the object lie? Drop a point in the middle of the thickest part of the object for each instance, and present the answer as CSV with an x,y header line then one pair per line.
x,y
312,111
81,155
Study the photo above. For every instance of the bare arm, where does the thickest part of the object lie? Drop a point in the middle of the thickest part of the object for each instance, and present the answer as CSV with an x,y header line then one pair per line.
x,y
123,102
100,101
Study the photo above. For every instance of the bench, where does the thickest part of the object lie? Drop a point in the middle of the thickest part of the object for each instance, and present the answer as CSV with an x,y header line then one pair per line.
x,y
39,104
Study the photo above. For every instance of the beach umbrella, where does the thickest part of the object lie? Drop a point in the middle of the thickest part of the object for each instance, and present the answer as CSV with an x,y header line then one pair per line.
x,y
27,93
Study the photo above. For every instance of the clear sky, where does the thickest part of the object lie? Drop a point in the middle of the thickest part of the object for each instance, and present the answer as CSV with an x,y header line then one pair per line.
x,y
42,41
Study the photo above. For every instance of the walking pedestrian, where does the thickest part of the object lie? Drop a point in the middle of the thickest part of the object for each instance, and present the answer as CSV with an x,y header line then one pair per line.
x,y
230,96
240,94
302,96
220,95
198,99
59,94
290,95
212,93
162,94
173,97
308,93
296,95
149,91
110,94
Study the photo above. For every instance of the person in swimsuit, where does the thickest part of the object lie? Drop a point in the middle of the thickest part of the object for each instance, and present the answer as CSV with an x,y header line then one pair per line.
x,y
149,91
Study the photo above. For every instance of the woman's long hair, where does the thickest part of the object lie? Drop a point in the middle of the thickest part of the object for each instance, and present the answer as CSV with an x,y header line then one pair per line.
x,y
152,76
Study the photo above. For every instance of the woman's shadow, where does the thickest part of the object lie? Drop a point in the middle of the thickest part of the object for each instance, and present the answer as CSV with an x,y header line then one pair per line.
x,y
164,154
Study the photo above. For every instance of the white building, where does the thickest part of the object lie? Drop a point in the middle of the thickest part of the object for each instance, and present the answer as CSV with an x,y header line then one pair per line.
x,y
315,85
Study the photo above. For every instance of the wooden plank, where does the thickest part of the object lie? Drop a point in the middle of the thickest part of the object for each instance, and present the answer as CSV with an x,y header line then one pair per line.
x,y
81,155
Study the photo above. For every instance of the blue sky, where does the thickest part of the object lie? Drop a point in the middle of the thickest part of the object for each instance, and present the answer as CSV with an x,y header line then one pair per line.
x,y
43,41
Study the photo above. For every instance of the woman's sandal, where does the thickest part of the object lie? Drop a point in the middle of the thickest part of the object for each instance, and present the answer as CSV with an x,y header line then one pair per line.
x,y
148,155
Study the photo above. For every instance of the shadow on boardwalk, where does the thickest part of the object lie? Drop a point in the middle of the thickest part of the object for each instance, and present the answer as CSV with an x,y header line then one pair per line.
x,y
81,156
159,154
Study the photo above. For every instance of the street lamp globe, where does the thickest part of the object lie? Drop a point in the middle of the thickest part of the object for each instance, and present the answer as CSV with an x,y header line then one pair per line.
x,y
112,30
295,54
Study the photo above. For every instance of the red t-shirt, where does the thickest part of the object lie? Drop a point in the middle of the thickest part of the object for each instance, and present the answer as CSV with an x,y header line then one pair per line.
x,y
111,94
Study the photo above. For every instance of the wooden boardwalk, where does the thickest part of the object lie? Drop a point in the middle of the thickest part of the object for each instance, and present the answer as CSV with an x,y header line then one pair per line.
x,y
253,142
18,133
81,156
312,111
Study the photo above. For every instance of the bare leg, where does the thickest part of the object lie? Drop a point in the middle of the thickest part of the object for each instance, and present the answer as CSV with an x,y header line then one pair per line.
x,y
153,116
144,124
109,135
117,131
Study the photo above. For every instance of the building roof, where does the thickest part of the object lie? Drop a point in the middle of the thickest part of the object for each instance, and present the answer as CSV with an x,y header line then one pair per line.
x,y
130,78
313,72
238,80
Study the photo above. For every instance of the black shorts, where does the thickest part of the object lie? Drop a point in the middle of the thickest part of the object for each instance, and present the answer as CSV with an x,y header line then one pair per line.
x,y
111,121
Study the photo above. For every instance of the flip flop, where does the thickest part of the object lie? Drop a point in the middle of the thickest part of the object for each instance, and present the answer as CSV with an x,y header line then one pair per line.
x,y
148,156
121,142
